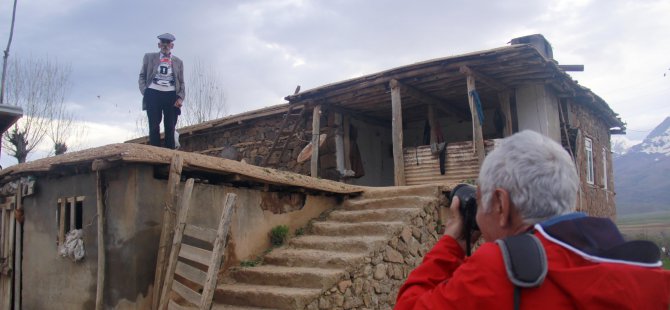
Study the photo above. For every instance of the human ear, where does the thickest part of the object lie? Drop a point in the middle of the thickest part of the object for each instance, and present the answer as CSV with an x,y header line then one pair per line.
x,y
503,206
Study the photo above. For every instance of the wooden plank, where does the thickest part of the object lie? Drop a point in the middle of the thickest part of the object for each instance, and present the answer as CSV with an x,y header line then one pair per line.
x,y
200,233
175,306
218,252
61,227
195,254
477,134
396,132
176,243
503,97
191,273
168,226
100,285
316,127
187,293
483,78
73,214
19,250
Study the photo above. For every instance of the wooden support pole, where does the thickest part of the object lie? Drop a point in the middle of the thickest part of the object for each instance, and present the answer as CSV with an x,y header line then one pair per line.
x,y
477,135
218,252
100,201
432,122
18,253
396,131
10,258
167,231
316,128
507,111
339,144
347,141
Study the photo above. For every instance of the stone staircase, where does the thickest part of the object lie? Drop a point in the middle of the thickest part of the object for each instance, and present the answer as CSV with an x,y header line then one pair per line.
x,y
320,263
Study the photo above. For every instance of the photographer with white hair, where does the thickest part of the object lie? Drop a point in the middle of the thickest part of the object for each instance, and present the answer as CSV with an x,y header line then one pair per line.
x,y
538,253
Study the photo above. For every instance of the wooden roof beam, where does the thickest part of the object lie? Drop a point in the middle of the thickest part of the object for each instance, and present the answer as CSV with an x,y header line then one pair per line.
x,y
427,98
484,79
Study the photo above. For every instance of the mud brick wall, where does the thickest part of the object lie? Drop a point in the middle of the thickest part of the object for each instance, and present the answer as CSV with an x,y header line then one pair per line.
x,y
250,141
375,285
595,199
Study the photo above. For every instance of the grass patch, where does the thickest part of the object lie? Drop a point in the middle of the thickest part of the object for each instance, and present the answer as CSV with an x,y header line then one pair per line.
x,y
278,235
666,263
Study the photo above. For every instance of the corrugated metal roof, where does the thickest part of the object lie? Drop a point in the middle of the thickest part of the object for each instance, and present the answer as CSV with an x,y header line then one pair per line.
x,y
423,167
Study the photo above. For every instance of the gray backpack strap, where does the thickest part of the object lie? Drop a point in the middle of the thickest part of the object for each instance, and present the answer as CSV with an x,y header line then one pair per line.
x,y
525,262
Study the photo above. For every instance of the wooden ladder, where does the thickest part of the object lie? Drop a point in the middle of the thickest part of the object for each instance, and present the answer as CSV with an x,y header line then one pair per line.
x,y
195,253
282,132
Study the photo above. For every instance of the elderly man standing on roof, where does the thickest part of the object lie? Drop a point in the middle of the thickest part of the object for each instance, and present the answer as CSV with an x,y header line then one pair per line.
x,y
162,85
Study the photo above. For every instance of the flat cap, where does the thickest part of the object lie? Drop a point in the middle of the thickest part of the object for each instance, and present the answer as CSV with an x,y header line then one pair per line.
x,y
166,36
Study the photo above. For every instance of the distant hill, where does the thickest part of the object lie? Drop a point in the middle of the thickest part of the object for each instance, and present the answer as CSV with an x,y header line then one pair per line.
x,y
642,174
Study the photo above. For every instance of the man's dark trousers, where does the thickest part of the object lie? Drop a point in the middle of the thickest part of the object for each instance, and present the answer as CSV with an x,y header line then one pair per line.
x,y
160,104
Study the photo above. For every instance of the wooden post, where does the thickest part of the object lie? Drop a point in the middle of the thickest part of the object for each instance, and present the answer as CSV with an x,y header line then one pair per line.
x,y
432,122
176,244
19,250
10,257
347,142
168,226
218,252
396,131
316,128
507,111
100,285
477,135
339,144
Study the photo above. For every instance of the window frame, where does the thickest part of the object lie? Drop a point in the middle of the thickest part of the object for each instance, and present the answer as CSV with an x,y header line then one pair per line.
x,y
590,169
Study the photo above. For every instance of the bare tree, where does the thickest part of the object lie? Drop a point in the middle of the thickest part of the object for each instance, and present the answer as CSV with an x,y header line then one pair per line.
x,y
205,98
62,127
39,86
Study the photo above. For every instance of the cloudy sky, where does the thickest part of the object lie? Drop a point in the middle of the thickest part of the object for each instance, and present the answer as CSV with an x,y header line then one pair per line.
x,y
262,49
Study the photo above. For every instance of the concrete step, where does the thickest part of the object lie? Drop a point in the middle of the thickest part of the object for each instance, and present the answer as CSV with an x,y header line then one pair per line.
x,y
313,258
353,244
332,228
305,277
388,215
216,306
268,296
427,190
389,202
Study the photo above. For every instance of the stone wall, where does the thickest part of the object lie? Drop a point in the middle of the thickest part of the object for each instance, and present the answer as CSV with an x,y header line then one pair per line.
x,y
250,141
596,199
375,285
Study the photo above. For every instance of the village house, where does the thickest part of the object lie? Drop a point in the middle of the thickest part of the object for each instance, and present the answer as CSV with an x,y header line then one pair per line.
x,y
357,170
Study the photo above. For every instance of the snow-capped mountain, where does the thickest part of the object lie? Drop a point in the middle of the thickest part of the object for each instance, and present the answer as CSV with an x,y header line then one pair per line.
x,y
642,174
621,145
657,142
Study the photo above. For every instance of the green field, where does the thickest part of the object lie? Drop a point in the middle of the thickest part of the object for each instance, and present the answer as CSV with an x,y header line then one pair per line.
x,y
648,226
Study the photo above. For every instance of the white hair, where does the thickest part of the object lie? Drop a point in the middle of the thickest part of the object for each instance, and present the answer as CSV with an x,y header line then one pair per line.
x,y
536,171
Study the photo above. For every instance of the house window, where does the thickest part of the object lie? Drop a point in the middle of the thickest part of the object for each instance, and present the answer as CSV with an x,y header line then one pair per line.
x,y
70,216
588,148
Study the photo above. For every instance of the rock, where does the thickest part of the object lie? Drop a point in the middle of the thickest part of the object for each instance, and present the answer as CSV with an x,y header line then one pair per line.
x,y
406,234
343,285
393,242
338,300
416,232
324,303
380,272
358,286
393,256
377,259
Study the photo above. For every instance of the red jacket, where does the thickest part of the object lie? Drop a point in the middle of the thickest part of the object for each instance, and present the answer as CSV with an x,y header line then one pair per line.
x,y
447,280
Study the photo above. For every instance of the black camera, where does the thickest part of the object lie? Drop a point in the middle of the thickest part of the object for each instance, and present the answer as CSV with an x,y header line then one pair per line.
x,y
467,196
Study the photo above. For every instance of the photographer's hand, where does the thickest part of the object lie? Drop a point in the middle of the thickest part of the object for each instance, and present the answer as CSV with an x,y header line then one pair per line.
x,y
454,226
